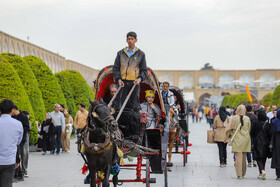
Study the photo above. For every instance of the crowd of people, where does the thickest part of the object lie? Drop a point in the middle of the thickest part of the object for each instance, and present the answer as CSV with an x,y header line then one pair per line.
x,y
53,135
253,133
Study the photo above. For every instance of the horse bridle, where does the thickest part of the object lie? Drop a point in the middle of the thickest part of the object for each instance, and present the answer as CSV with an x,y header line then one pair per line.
x,y
108,121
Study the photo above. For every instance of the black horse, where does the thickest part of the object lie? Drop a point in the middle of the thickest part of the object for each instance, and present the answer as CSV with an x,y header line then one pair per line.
x,y
101,151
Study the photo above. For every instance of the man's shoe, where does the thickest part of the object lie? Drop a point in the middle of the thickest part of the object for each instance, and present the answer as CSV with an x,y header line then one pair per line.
x,y
278,179
57,154
250,164
15,180
25,175
263,175
52,152
255,163
44,153
20,179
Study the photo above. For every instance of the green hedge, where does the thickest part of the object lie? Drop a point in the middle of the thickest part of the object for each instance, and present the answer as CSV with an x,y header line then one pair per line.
x,y
267,99
235,100
51,90
68,95
30,83
80,89
12,88
276,96
225,100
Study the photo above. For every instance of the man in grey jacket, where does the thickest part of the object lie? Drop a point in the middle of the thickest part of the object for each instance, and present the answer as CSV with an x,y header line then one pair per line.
x,y
129,69
59,122
152,109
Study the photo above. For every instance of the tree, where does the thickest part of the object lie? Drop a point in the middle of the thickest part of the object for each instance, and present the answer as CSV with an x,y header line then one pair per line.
x,y
207,67
80,89
267,99
29,82
68,95
225,100
12,88
48,84
231,100
276,96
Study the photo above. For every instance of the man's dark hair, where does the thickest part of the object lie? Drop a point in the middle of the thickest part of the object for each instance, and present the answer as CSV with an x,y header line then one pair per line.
x,y
25,112
83,105
132,34
166,83
249,108
62,105
15,107
6,106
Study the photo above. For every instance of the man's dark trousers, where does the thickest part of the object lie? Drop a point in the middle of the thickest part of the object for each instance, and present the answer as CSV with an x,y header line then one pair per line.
x,y
6,175
58,138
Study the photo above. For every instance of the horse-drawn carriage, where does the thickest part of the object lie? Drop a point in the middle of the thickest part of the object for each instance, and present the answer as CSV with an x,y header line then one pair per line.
x,y
179,131
128,136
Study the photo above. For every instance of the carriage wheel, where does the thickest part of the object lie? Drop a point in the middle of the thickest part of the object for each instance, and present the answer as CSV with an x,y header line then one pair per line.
x,y
187,142
184,152
165,176
148,172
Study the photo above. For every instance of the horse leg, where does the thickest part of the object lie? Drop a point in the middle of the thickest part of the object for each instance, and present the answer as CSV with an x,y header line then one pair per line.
x,y
107,175
92,177
171,144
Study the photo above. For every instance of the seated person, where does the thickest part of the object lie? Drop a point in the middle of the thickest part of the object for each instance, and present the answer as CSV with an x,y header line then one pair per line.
x,y
177,103
113,90
152,109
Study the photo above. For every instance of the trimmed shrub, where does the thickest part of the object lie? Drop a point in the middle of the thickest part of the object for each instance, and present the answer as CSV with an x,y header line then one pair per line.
x,y
66,89
267,99
80,89
51,90
12,88
231,100
276,96
225,100
30,84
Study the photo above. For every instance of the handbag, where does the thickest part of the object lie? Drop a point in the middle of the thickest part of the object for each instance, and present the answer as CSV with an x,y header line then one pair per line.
x,y
210,136
231,140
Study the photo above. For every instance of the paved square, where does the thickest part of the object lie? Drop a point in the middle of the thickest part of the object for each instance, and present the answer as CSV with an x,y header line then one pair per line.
x,y
201,170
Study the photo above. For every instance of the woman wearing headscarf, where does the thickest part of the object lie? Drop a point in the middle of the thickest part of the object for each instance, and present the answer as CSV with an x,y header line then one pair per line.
x,y
241,143
260,142
275,162
220,123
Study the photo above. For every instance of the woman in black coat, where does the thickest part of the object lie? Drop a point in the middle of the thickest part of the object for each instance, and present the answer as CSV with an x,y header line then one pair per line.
x,y
275,162
261,138
47,135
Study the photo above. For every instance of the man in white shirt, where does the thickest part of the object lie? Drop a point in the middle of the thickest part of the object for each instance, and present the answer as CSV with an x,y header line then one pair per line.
x,y
270,114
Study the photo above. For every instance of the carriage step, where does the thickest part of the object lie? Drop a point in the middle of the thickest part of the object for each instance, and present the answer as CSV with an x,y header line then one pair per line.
x,y
190,144
152,180
169,164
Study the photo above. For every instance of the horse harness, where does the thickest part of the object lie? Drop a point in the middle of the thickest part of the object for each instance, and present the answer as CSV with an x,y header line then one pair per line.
x,y
98,148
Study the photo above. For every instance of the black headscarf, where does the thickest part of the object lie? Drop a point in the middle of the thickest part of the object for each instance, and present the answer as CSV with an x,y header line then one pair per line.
x,y
262,115
222,113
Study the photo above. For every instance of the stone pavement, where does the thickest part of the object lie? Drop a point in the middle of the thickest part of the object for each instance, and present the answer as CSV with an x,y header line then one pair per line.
x,y
202,168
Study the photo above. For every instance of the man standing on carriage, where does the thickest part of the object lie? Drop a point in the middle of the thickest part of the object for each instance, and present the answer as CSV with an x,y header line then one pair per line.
x,y
129,69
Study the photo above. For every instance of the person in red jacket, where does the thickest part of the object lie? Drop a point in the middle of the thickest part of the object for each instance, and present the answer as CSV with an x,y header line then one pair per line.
x,y
211,116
